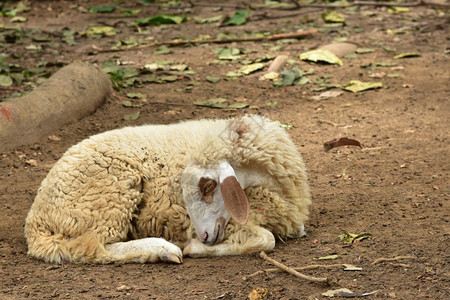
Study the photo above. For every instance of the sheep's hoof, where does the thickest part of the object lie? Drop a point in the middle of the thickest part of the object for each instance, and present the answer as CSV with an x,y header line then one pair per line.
x,y
193,248
171,258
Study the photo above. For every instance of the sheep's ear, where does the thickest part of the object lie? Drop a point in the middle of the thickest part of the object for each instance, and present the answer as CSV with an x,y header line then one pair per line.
x,y
234,197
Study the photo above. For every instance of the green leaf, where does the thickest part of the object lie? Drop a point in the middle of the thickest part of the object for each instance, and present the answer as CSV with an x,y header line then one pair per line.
x,y
390,49
104,8
226,53
129,12
349,238
239,18
214,103
99,31
212,79
291,76
321,55
136,95
271,103
161,19
109,67
69,37
208,20
5,80
130,72
364,50
286,125
407,54
169,78
238,105
178,67
132,117
251,68
333,17
162,50
398,9
41,38
356,86
19,19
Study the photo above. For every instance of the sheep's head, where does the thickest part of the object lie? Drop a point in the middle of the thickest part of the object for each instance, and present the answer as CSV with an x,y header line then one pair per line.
x,y
212,196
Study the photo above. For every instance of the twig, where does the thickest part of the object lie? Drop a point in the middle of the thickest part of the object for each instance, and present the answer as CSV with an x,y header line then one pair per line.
x,y
374,3
264,15
274,270
10,88
298,5
274,37
290,270
382,259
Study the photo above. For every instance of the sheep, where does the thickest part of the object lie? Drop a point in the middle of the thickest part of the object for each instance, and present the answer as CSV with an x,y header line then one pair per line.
x,y
141,194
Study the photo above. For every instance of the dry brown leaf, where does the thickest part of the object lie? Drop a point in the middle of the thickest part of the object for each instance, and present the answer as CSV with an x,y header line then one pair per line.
x,y
338,142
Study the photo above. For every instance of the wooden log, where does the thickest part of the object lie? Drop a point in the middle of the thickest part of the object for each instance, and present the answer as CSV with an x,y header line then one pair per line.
x,y
67,96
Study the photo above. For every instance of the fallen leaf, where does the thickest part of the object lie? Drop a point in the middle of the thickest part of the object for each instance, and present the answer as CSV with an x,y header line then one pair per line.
x,y
227,53
333,17
286,125
19,19
398,9
346,293
161,50
32,162
406,54
136,95
356,86
239,18
333,293
271,103
327,95
349,238
377,75
208,20
271,75
338,142
161,19
5,80
132,117
251,68
212,79
214,103
349,267
321,55
54,138
258,294
99,31
364,50
238,105
104,8
123,288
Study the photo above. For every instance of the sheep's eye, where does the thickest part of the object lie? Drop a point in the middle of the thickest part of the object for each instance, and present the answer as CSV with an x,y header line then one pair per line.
x,y
207,187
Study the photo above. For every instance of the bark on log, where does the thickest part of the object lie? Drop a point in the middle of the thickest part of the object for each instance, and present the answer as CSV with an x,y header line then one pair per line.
x,y
67,96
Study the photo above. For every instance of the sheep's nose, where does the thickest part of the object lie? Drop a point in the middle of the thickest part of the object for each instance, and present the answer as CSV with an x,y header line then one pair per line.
x,y
203,238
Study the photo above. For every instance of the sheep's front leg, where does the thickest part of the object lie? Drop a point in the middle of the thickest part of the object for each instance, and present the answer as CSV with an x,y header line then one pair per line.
x,y
145,250
247,239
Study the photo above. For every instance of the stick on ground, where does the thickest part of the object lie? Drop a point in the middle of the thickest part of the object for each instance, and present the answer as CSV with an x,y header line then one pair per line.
x,y
264,256
383,259
274,37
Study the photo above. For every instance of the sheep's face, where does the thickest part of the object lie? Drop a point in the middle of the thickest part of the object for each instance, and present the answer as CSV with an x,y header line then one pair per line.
x,y
212,196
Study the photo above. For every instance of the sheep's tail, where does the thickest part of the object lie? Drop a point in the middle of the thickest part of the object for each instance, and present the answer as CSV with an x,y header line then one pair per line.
x,y
55,248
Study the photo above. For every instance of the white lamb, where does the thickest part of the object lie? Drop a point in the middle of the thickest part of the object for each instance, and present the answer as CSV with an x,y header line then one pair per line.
x,y
129,195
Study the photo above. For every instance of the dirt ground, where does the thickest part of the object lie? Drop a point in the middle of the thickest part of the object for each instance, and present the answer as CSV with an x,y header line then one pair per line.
x,y
395,188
